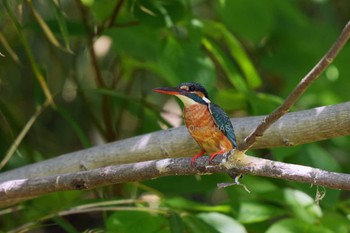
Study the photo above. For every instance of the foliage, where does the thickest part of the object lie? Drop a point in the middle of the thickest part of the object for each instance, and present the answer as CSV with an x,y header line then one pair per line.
x,y
91,64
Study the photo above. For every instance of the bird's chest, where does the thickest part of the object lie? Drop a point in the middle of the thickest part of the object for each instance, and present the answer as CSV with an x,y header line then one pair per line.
x,y
198,119
203,129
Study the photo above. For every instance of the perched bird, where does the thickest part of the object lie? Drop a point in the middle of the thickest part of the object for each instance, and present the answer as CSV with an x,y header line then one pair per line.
x,y
207,123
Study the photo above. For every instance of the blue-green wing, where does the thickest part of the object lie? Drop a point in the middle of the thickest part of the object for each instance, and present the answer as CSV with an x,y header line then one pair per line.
x,y
223,122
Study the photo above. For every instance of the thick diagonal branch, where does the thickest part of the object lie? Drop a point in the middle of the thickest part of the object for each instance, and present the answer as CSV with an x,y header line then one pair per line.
x,y
298,91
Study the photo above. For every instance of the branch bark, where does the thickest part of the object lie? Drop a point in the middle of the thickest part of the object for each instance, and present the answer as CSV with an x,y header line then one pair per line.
x,y
16,190
292,129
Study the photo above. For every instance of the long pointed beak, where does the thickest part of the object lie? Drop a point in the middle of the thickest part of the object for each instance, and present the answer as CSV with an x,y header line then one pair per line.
x,y
168,90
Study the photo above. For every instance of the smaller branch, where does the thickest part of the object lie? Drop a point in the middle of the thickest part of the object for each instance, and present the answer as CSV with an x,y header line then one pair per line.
x,y
17,190
90,38
109,134
298,91
23,133
115,13
110,21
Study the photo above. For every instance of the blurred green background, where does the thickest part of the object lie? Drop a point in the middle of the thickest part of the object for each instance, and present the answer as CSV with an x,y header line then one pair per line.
x,y
99,59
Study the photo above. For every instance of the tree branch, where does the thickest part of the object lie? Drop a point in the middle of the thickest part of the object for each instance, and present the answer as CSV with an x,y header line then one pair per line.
x,y
16,190
293,129
298,91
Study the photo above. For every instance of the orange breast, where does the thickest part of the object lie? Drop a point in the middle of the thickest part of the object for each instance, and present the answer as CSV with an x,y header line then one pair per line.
x,y
201,126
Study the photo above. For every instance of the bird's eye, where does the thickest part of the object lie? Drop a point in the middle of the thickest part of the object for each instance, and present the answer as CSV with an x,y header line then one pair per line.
x,y
191,88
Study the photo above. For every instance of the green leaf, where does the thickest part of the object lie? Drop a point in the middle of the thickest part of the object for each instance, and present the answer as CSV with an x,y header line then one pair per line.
x,y
296,226
316,156
143,44
336,222
257,25
46,29
230,99
65,224
176,223
232,73
61,20
135,222
75,125
218,31
158,13
184,204
302,205
194,224
199,185
222,223
185,61
103,9
251,212
262,103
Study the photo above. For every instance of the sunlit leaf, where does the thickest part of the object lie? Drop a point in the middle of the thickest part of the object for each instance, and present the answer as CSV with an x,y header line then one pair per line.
x,y
222,223
302,205
194,224
237,52
296,226
251,212
182,203
232,73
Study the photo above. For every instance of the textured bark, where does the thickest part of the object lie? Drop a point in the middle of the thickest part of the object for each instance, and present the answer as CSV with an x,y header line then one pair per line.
x,y
16,190
292,129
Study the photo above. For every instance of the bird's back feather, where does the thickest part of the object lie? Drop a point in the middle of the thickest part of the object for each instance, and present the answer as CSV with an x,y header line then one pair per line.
x,y
223,122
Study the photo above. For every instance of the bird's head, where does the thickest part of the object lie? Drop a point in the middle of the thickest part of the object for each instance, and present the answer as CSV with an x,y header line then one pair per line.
x,y
188,93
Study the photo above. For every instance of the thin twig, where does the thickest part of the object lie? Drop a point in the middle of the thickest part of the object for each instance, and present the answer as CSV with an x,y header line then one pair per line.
x,y
298,91
115,13
90,38
109,134
110,22
22,134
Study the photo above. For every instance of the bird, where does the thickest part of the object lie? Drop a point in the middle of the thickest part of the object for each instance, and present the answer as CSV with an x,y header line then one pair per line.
x,y
206,122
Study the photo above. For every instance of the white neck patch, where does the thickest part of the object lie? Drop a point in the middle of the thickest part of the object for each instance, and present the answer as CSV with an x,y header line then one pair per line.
x,y
206,100
186,100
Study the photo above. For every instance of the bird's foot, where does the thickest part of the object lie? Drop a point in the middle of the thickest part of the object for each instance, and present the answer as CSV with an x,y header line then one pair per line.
x,y
195,157
212,156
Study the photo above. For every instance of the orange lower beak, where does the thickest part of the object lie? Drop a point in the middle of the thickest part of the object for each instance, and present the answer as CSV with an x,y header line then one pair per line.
x,y
168,90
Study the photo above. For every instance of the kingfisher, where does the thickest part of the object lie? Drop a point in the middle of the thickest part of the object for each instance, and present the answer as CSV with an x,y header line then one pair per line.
x,y
206,122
